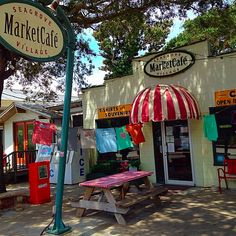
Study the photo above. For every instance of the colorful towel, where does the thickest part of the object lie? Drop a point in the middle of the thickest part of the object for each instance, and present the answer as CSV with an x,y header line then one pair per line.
x,y
210,127
123,138
87,138
135,130
106,140
43,133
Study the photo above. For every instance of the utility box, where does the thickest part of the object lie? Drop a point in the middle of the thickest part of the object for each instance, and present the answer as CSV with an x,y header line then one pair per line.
x,y
39,182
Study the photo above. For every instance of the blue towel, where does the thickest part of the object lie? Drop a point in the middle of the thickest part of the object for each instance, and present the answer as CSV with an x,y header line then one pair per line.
x,y
106,140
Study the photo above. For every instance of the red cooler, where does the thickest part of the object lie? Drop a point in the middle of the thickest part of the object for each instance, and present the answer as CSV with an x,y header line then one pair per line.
x,y
39,182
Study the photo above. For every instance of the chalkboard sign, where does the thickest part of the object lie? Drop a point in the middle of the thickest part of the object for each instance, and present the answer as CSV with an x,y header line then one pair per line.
x,y
43,172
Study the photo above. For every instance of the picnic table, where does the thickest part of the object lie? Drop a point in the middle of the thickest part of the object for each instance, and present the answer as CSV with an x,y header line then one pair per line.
x,y
108,201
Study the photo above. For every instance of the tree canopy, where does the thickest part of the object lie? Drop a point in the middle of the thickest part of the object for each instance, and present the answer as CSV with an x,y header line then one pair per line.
x,y
218,26
85,14
128,27
120,40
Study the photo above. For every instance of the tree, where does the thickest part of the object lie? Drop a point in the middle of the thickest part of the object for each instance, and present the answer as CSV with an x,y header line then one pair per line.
x,y
120,40
128,26
37,79
84,14
218,26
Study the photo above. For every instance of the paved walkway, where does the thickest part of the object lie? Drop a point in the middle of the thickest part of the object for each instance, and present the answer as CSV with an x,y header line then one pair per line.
x,y
195,211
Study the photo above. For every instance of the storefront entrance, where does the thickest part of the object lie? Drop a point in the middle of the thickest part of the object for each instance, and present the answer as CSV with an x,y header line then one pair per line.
x,y
173,152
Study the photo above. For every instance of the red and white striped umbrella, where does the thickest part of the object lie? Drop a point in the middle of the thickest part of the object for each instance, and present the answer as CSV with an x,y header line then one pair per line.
x,y
164,102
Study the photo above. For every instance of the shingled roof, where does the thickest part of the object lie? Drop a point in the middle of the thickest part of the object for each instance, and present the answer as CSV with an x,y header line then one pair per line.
x,y
19,107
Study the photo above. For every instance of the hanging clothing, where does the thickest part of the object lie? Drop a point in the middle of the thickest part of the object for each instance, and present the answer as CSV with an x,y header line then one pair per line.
x,y
123,138
135,130
43,133
106,140
87,138
210,127
73,141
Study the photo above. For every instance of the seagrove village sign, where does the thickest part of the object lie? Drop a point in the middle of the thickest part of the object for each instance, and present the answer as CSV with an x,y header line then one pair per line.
x,y
30,30
167,64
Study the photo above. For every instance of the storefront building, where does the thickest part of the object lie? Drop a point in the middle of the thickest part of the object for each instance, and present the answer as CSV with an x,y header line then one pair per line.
x,y
171,93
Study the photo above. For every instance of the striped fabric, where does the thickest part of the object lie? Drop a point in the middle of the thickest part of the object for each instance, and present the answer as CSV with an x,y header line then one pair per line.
x,y
163,102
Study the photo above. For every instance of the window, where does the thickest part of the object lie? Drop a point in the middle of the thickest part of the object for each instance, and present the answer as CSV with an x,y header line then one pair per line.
x,y
23,141
77,120
23,136
226,126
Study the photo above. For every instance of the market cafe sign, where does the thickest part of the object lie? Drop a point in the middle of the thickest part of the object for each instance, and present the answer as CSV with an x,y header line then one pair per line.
x,y
167,64
225,97
30,30
114,111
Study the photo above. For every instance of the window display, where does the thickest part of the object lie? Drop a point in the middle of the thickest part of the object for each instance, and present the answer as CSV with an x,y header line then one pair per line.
x,y
226,125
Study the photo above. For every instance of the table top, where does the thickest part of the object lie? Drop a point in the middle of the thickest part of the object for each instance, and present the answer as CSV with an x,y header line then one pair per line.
x,y
116,179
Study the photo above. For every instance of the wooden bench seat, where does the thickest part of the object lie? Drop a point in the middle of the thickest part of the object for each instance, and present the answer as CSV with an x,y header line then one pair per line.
x,y
131,198
114,190
121,206
135,198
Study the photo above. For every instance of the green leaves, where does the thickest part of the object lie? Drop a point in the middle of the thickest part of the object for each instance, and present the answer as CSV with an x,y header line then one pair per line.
x,y
123,29
121,39
218,26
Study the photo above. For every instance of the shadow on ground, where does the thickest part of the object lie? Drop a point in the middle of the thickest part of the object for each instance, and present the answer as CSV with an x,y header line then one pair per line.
x,y
193,211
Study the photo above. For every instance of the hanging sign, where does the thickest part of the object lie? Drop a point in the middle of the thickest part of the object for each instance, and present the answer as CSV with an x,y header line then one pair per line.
x,y
167,64
30,30
113,112
225,97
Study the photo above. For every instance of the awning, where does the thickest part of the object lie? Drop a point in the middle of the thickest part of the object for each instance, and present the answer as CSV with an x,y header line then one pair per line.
x,y
164,102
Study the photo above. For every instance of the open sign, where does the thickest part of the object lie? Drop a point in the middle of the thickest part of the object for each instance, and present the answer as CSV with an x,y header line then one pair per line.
x,y
225,97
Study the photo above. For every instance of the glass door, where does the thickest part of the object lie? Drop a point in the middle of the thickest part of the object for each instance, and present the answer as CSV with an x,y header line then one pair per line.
x,y
177,153
23,141
19,142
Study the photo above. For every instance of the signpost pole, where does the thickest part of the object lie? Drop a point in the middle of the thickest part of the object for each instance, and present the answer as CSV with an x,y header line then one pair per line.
x,y
45,27
59,227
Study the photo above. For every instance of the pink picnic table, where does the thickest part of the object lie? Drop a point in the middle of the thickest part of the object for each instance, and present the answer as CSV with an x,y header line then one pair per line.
x,y
116,179
107,202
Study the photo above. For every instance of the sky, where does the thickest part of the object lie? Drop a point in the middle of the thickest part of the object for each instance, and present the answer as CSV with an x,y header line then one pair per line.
x,y
97,77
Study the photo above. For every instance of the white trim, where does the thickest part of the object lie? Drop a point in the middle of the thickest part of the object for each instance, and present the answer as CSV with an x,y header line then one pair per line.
x,y
164,149
191,152
180,182
4,112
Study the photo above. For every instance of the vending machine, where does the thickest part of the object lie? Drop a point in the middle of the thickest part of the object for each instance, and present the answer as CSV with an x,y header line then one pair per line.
x,y
75,162
39,184
74,169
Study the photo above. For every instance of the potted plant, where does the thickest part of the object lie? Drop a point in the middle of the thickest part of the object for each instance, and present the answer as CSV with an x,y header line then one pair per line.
x,y
134,165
